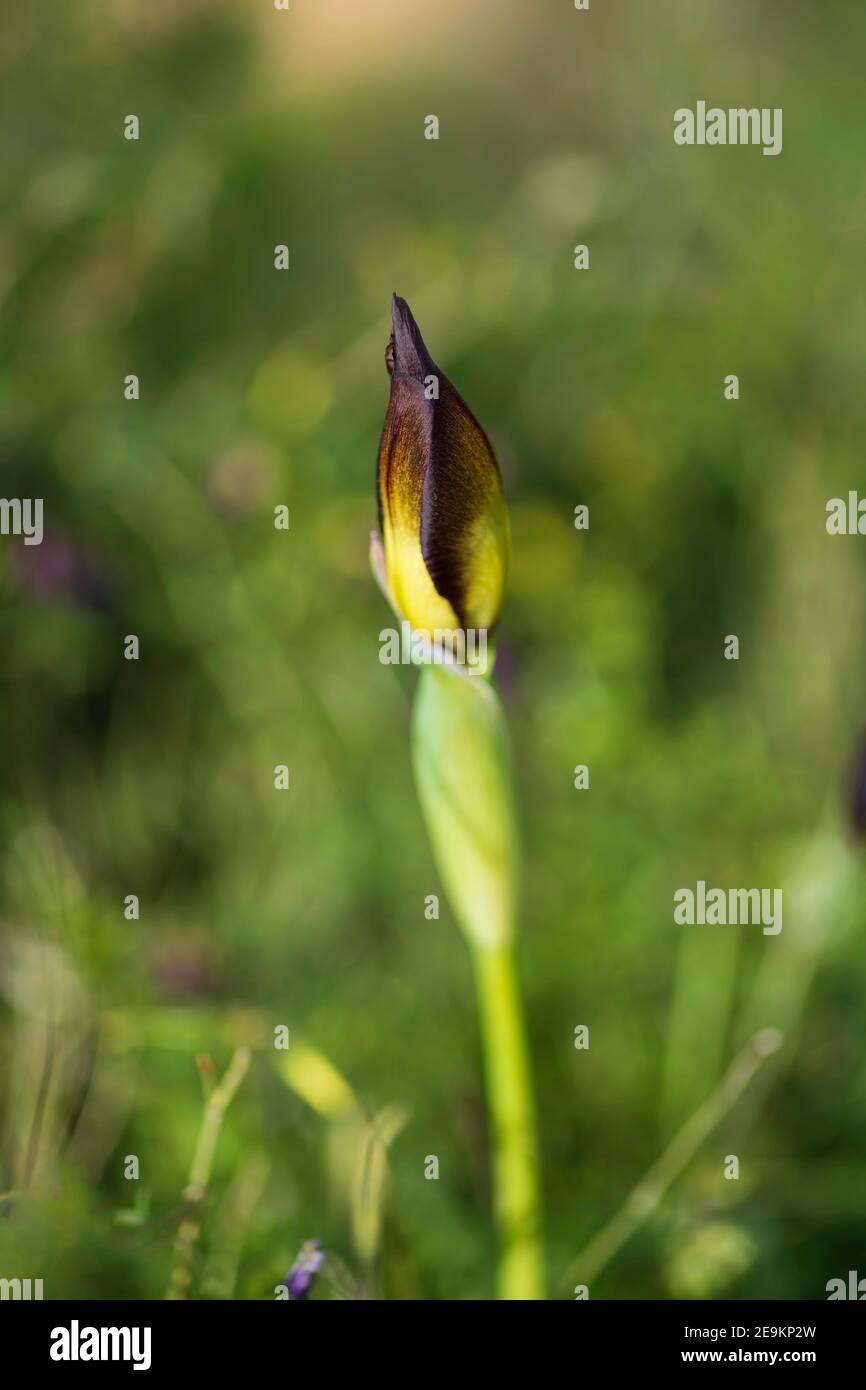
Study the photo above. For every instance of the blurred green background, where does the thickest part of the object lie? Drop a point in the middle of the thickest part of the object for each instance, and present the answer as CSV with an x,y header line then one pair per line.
x,y
305,908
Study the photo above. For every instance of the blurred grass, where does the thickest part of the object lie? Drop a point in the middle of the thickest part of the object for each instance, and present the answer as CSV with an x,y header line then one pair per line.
x,y
260,647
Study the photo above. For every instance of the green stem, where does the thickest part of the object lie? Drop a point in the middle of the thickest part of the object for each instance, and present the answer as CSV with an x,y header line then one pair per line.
x,y
217,1103
515,1159
460,754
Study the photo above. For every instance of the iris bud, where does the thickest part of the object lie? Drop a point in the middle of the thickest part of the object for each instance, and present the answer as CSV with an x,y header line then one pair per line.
x,y
442,513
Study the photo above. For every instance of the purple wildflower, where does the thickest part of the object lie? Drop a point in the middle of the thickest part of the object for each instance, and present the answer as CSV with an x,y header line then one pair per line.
x,y
300,1277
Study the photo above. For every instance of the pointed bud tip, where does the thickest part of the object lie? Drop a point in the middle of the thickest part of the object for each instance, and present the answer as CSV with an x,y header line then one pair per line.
x,y
406,353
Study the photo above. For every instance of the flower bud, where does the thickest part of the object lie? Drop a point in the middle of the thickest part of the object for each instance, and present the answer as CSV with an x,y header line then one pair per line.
x,y
442,511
